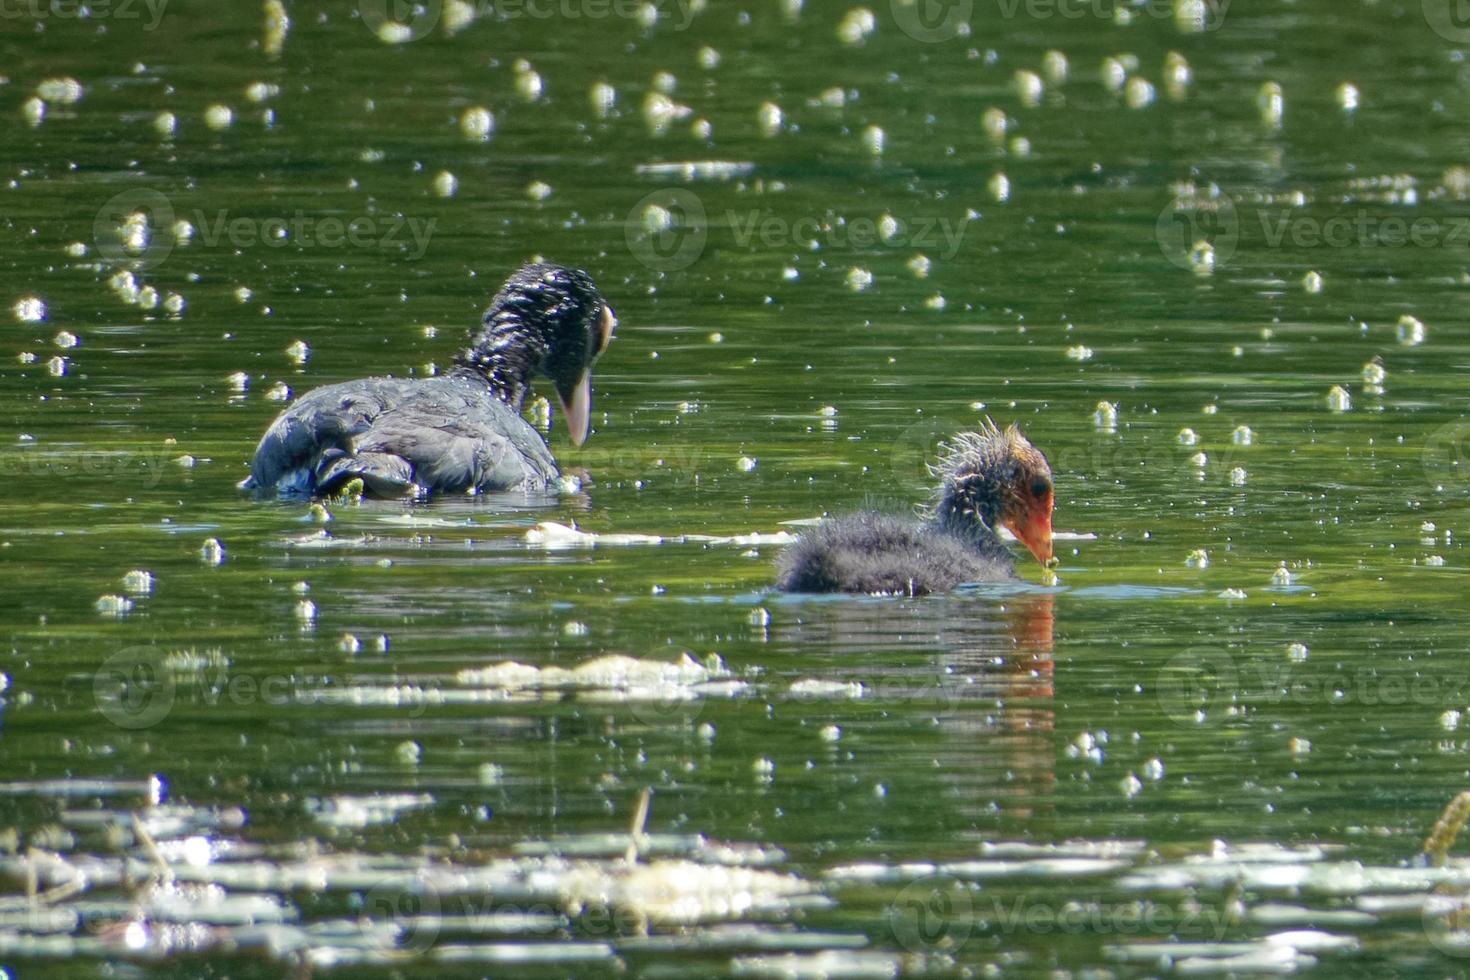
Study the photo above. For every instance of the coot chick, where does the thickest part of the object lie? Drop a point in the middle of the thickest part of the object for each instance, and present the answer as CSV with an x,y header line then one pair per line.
x,y
990,478
461,431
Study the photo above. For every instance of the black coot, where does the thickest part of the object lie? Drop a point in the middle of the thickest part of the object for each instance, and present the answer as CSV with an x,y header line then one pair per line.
x,y
460,431
990,478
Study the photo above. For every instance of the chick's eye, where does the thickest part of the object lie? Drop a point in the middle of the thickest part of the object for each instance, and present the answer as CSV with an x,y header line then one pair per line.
x,y
1040,487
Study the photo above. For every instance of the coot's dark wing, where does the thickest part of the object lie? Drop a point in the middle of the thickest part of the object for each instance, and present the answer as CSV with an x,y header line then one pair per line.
x,y
454,438
322,425
870,552
382,474
445,434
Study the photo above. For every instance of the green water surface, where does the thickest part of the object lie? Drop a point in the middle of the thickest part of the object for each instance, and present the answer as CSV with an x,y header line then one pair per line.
x,y
811,321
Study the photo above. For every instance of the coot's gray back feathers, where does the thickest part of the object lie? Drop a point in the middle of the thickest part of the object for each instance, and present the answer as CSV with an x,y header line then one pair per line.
x,y
988,479
873,552
461,431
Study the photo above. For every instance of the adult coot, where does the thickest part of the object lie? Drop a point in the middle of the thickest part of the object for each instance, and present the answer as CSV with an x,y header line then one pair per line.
x,y
990,478
461,431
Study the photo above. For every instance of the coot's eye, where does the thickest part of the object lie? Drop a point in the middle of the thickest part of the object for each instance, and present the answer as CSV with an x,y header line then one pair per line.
x,y
1040,487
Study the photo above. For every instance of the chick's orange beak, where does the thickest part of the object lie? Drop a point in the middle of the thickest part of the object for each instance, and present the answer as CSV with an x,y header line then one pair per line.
x,y
1033,528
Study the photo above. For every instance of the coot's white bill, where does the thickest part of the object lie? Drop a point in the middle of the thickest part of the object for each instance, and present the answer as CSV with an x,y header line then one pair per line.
x,y
576,406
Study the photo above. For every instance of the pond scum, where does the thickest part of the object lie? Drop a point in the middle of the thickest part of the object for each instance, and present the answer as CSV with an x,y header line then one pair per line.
x,y
166,880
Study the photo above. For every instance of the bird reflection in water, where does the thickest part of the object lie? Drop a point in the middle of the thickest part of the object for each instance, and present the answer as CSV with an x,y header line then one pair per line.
x,y
975,667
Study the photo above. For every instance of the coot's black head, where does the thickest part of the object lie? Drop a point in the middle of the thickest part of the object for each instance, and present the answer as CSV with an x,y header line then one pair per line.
x,y
997,477
546,320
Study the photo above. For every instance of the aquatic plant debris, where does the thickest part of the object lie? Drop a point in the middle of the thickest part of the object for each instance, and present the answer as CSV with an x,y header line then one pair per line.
x,y
613,677
551,535
1447,829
